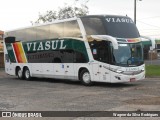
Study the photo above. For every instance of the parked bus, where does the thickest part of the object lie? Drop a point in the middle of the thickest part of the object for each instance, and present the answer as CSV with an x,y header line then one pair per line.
x,y
102,48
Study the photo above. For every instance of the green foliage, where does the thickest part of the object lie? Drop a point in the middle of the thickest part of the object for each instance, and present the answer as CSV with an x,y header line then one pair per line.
x,y
67,11
152,70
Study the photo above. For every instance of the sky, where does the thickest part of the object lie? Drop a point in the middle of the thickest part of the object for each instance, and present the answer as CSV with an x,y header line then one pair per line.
x,y
19,13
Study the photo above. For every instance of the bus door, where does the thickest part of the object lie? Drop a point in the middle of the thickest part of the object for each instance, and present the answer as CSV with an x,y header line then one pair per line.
x,y
101,72
95,70
104,72
100,52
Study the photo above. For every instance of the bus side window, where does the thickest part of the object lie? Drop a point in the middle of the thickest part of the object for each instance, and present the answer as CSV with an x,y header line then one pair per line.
x,y
80,52
56,30
71,29
80,57
67,56
94,26
57,60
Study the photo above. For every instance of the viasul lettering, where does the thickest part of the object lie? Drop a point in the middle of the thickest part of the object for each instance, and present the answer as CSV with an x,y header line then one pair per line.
x,y
119,20
46,45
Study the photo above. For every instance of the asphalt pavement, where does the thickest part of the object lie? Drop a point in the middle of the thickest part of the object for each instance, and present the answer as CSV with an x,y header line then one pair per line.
x,y
64,95
152,62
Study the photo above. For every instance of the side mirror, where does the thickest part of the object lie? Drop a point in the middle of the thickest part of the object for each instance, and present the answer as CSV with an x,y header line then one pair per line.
x,y
107,38
113,40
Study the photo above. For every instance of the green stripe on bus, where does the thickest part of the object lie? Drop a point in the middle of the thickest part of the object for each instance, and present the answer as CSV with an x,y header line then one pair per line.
x,y
10,52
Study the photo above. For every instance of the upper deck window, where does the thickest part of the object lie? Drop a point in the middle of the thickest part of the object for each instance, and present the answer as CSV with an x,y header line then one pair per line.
x,y
116,26
50,31
93,26
121,27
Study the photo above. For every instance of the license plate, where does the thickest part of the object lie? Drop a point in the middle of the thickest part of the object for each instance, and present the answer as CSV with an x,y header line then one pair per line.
x,y
132,79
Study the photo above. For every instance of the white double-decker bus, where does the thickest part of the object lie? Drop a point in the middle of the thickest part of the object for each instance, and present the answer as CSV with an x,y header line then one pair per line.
x,y
102,48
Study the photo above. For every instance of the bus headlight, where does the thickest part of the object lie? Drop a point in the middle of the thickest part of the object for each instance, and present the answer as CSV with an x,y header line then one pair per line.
x,y
142,69
119,71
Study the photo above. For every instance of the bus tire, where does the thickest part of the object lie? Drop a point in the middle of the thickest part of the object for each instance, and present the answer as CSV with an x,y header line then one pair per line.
x,y
85,77
19,73
27,75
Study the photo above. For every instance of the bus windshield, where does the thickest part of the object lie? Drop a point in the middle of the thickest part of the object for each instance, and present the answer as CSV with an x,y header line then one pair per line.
x,y
121,27
128,54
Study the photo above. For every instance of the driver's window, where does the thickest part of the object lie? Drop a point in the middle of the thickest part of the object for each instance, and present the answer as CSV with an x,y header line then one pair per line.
x,y
100,50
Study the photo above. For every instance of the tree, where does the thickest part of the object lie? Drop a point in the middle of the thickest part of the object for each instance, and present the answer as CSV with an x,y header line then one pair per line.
x,y
67,11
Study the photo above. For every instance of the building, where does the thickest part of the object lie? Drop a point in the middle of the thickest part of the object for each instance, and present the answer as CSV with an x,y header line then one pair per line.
x,y
158,47
1,40
1,49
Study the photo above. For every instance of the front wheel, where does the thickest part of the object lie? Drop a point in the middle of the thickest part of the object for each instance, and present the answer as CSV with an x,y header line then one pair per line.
x,y
27,75
85,77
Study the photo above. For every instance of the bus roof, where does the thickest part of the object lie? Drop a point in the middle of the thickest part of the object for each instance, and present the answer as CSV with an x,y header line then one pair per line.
x,y
65,20
100,16
43,24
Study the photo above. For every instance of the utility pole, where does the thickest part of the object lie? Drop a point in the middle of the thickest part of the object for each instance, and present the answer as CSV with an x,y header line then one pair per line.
x,y
135,10
135,7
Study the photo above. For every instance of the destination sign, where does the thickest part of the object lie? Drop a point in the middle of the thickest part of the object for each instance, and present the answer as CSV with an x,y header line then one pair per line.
x,y
118,20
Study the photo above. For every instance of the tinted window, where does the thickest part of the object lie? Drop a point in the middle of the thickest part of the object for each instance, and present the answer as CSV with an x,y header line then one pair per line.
x,y
62,56
93,26
74,51
30,34
43,32
121,27
56,30
20,35
41,57
71,29
80,57
100,50
27,34
67,56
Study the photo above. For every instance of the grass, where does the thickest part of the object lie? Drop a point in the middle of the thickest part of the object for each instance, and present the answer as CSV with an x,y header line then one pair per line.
x,y
152,70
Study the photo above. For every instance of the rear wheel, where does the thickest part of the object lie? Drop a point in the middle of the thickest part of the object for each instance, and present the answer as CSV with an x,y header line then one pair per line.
x,y
27,74
19,73
85,77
